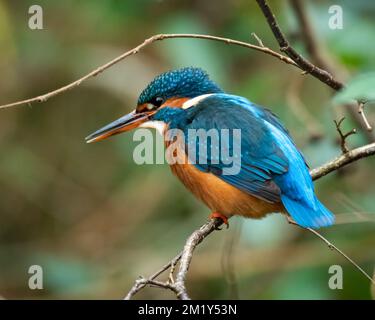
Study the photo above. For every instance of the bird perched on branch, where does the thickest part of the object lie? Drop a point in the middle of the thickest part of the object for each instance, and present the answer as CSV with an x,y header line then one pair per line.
x,y
272,174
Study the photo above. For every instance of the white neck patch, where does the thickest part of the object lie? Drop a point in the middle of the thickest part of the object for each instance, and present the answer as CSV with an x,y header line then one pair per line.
x,y
192,102
160,126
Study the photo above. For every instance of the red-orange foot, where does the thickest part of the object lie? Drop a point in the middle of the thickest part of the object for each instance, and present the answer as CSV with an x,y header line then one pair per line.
x,y
219,216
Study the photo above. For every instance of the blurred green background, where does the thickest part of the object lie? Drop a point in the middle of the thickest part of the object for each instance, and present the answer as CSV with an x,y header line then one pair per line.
x,y
95,221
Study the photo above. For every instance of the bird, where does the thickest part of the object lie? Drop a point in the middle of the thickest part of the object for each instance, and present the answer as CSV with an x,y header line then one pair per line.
x,y
273,176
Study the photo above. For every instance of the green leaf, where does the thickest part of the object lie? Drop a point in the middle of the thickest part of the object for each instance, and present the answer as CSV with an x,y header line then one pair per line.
x,y
361,88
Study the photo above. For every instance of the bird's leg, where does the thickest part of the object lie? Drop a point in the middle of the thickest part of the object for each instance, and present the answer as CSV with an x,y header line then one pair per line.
x,y
219,216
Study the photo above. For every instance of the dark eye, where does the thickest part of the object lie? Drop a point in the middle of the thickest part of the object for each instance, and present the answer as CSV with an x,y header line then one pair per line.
x,y
157,101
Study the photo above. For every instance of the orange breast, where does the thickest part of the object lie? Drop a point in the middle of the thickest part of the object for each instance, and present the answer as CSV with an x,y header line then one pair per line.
x,y
220,196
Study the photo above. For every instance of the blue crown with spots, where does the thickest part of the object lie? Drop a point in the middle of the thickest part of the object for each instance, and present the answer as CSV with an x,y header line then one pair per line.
x,y
181,83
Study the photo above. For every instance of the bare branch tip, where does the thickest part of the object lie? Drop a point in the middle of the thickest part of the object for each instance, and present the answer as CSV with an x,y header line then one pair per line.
x,y
361,111
343,136
260,42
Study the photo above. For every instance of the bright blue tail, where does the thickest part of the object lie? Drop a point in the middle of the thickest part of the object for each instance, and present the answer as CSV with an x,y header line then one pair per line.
x,y
296,186
308,217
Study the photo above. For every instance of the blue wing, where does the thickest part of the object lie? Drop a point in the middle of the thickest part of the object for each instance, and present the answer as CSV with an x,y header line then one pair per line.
x,y
271,167
258,164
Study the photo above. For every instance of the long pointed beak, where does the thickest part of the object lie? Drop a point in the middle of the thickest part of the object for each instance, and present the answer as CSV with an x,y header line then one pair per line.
x,y
125,123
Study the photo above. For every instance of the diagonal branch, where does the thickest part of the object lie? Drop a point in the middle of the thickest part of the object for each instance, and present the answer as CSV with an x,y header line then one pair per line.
x,y
285,47
142,282
194,240
145,43
333,247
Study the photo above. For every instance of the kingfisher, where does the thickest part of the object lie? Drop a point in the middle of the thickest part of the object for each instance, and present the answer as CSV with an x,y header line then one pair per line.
x,y
272,176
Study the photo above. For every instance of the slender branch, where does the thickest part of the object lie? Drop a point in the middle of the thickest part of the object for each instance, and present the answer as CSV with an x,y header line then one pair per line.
x,y
343,136
333,247
295,59
285,47
359,117
361,111
259,40
142,282
343,160
300,63
145,43
194,240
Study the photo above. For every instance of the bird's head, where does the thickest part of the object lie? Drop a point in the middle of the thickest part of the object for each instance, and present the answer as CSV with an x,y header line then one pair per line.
x,y
170,89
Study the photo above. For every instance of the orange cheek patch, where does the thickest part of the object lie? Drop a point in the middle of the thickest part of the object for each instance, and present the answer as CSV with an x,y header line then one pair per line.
x,y
174,102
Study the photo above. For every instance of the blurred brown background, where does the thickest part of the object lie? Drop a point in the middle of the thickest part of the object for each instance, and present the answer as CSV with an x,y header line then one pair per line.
x,y
94,220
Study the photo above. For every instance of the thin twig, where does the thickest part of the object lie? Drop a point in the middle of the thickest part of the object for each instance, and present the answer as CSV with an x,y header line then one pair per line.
x,y
285,47
142,282
359,117
193,241
361,111
333,247
343,136
299,63
260,42
145,43
171,271
343,160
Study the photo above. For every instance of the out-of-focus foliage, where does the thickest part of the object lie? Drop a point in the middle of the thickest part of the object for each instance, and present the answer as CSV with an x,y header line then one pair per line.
x,y
360,88
94,220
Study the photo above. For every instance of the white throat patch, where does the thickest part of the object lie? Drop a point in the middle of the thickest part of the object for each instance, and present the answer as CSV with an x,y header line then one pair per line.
x,y
160,126
192,102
